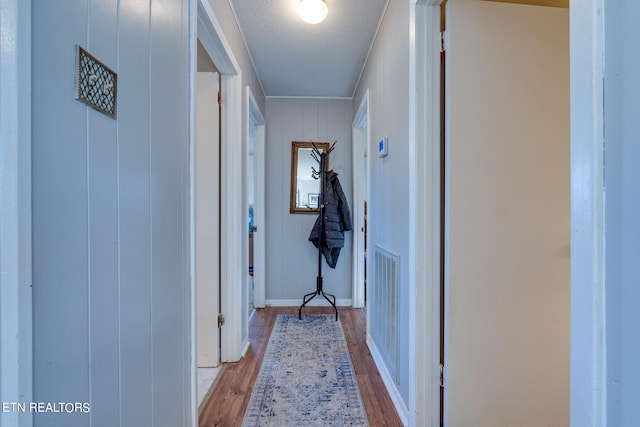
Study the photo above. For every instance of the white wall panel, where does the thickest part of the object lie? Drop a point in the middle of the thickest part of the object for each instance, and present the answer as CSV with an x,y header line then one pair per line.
x,y
103,227
292,265
168,169
110,216
387,77
60,217
508,293
16,348
135,218
622,231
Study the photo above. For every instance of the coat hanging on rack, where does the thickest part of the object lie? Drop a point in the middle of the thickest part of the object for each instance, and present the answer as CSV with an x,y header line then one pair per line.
x,y
331,199
336,218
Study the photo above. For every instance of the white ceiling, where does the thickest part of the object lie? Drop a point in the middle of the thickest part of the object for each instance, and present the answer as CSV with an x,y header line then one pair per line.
x,y
293,58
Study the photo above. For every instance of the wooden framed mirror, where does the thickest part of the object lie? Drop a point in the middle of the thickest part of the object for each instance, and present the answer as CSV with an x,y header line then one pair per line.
x,y
305,190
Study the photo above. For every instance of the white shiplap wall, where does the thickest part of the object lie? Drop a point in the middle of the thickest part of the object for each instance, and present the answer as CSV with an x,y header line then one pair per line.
x,y
291,258
386,75
110,216
622,178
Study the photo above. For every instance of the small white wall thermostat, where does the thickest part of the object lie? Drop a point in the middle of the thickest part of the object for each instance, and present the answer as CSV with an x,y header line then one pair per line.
x,y
383,148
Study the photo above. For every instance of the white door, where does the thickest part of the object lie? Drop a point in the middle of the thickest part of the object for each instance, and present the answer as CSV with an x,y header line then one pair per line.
x,y
207,218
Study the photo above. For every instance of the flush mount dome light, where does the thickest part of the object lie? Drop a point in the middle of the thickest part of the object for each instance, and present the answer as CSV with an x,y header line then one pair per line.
x,y
312,11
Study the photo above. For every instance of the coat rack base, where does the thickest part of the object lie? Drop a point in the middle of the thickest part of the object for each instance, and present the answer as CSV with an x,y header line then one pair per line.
x,y
308,297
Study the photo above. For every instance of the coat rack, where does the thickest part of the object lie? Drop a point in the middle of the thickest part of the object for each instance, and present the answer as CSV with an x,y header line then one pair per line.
x,y
321,157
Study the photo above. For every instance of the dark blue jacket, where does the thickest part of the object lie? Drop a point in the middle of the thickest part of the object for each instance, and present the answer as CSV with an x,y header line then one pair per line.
x,y
337,219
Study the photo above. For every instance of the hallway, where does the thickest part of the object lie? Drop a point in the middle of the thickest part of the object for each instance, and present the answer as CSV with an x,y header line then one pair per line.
x,y
231,391
98,289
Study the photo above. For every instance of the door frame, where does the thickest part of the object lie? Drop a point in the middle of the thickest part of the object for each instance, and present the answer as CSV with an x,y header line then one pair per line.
x,y
424,213
255,120
588,297
210,33
361,136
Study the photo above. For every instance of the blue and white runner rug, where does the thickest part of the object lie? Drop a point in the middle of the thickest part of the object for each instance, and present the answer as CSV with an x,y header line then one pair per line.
x,y
306,377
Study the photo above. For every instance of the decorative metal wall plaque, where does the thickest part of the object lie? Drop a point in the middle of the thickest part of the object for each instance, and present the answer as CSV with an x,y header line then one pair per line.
x,y
96,84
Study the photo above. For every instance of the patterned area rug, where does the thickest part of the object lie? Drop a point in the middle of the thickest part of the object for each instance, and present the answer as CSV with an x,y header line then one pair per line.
x,y
306,377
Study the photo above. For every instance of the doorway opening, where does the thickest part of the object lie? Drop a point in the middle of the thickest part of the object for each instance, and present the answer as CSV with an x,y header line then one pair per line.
x,y
361,138
227,321
206,163
254,285
253,228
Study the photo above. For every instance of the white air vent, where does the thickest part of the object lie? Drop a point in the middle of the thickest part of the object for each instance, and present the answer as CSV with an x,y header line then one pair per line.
x,y
384,307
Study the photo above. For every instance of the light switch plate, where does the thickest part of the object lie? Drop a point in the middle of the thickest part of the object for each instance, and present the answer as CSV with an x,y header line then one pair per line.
x,y
96,84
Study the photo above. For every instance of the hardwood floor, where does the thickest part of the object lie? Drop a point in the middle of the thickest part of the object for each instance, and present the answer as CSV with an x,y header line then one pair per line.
x,y
232,389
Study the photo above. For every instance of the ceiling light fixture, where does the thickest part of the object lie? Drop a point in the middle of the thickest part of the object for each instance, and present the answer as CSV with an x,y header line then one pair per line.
x,y
312,11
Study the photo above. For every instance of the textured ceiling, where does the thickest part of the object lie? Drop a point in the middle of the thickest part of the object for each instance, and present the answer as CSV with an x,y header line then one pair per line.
x,y
293,58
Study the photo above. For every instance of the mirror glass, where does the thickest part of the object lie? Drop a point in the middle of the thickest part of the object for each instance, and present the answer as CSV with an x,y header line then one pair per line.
x,y
305,190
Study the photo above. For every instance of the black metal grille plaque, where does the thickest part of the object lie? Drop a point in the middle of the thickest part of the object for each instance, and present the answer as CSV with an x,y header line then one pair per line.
x,y
96,84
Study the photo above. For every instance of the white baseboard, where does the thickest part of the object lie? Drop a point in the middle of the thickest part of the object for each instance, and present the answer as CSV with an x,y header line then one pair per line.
x,y
318,301
245,347
392,389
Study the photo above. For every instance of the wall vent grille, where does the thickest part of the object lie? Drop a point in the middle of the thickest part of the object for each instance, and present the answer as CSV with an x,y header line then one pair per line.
x,y
385,308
